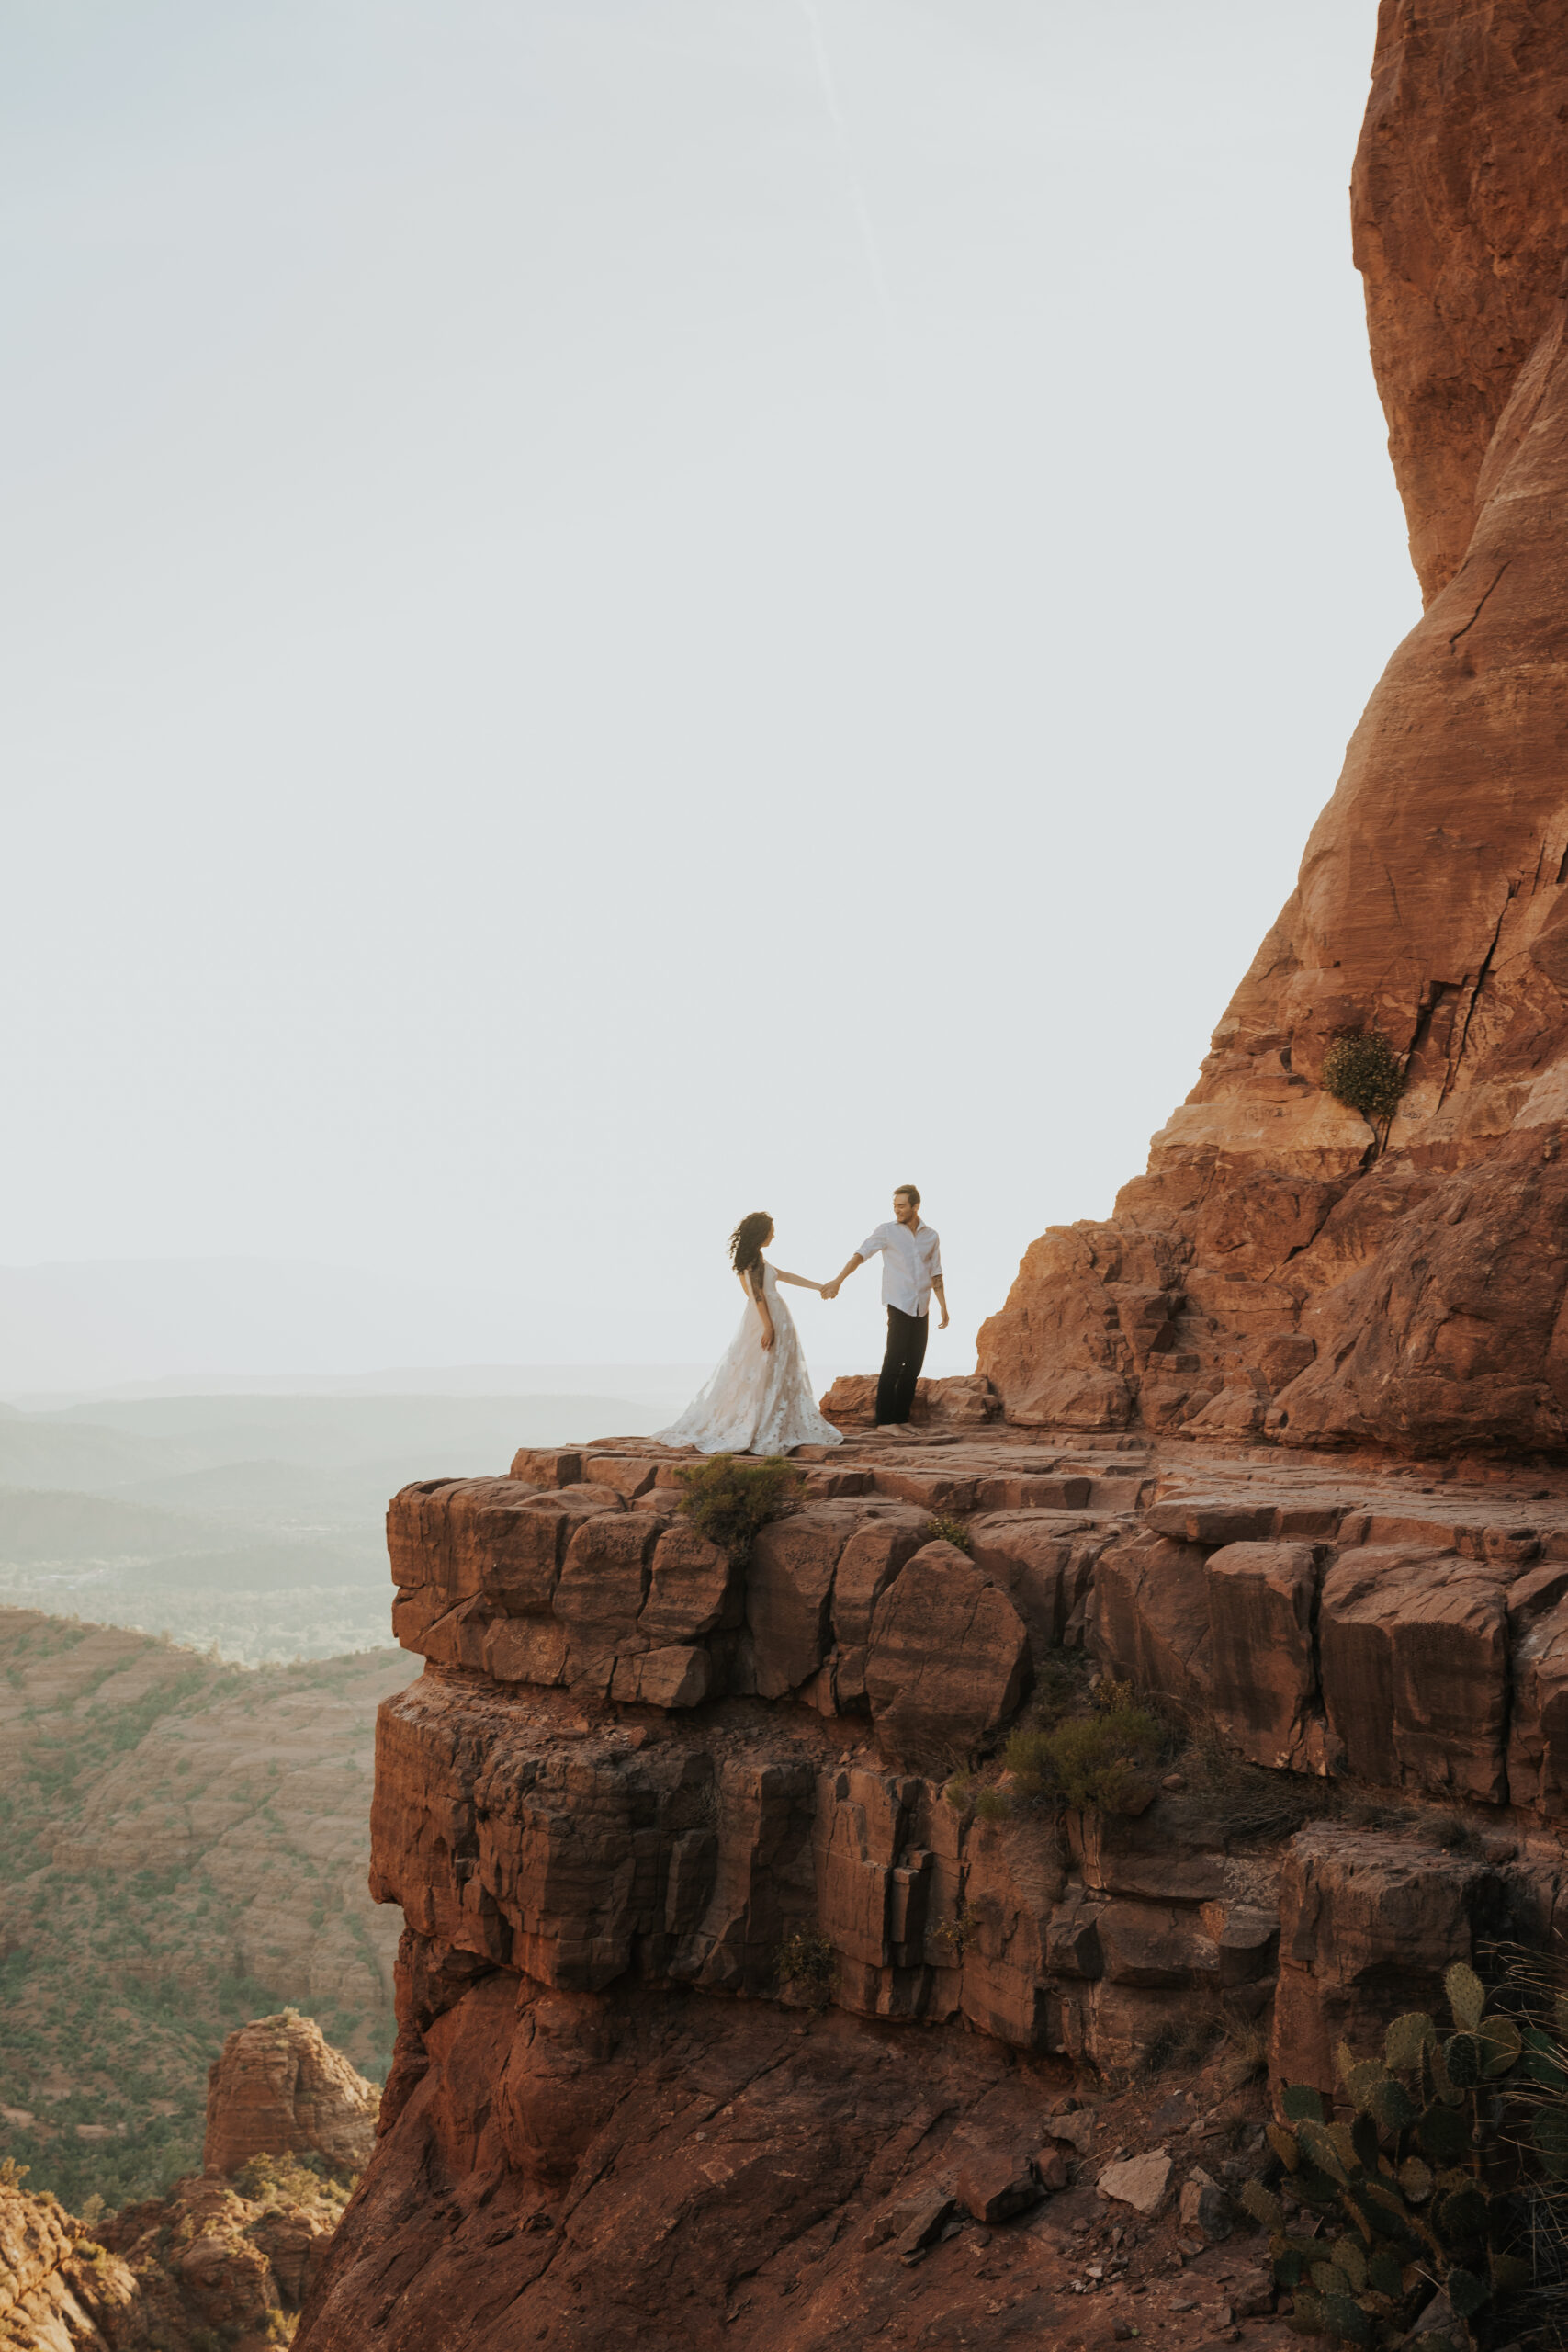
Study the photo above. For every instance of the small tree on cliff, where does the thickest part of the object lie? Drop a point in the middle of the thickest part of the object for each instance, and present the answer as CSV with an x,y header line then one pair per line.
x,y
730,1502
1362,1070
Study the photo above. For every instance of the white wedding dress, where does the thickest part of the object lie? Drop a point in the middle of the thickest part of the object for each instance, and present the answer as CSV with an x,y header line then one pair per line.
x,y
758,1399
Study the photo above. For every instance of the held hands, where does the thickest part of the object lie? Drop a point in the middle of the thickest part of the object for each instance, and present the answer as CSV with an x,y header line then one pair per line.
x,y
828,1289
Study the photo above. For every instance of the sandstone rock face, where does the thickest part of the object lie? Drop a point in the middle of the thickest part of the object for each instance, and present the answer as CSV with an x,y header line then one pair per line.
x,y
1149,1616
948,1661
510,1832
963,1403
279,2088
1415,1664
52,2297
727,2158
653,1810
1538,1741
1461,228
1368,1924
1044,1562
174,2275
1277,1271
1261,1600
557,1583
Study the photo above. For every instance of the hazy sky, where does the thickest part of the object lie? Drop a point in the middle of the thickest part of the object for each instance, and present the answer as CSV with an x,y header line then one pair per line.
x,y
589,647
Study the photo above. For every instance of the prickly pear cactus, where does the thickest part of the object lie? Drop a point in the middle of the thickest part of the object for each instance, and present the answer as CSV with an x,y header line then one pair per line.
x,y
1421,2188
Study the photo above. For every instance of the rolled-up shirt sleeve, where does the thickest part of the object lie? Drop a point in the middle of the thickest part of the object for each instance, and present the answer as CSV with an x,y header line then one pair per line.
x,y
936,1264
872,1243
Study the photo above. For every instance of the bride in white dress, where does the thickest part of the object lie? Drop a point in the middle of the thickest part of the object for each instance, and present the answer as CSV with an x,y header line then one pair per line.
x,y
758,1399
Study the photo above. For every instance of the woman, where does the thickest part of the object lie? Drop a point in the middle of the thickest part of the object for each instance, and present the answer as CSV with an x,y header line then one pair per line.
x,y
758,1399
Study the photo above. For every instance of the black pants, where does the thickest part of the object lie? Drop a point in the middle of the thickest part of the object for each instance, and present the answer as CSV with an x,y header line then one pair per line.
x,y
901,1365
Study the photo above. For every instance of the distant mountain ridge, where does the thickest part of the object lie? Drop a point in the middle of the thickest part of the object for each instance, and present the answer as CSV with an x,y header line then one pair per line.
x,y
253,1522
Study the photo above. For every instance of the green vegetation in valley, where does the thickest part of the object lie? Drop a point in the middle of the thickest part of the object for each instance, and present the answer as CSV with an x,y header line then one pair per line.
x,y
186,1845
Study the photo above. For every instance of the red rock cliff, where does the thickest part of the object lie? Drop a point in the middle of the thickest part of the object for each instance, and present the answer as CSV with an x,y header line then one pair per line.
x,y
725,2001
733,2011
1274,1269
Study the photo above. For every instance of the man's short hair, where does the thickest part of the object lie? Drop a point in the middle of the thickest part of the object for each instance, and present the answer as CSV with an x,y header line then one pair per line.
x,y
913,1193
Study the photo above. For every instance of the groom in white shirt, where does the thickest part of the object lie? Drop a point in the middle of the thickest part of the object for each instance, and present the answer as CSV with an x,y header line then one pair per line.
x,y
911,1270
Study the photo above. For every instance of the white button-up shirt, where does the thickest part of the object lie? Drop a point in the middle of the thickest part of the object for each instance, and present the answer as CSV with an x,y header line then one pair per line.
x,y
910,1263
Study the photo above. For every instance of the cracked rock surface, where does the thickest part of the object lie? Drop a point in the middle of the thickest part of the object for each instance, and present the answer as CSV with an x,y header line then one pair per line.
x,y
1285,1265
736,2019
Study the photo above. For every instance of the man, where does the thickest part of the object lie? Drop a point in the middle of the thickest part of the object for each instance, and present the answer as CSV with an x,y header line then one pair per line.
x,y
911,1270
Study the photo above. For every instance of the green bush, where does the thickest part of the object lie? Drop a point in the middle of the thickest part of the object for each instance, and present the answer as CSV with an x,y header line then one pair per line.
x,y
954,1936
992,1805
1361,1070
807,1960
730,1502
1107,1762
1430,2186
938,1530
293,2179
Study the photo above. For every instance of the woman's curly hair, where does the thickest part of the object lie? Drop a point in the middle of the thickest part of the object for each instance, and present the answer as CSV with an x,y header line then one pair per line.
x,y
746,1241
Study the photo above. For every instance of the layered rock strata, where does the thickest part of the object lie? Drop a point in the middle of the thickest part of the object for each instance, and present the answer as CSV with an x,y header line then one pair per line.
x,y
1283,1267
597,1880
279,2088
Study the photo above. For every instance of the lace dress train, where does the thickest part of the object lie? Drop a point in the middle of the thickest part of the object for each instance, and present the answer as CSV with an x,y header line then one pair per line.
x,y
758,1399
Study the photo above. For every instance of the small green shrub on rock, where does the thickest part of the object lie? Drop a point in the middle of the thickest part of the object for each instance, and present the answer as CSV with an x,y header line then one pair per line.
x,y
1361,1070
954,1937
807,1961
1107,1762
730,1502
1430,2186
938,1530
294,2179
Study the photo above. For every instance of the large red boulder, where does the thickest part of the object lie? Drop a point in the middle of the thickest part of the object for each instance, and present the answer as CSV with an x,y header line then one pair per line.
x,y
949,1658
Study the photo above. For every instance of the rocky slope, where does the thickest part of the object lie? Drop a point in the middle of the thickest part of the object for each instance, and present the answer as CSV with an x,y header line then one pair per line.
x,y
186,1843
1276,1270
228,2256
